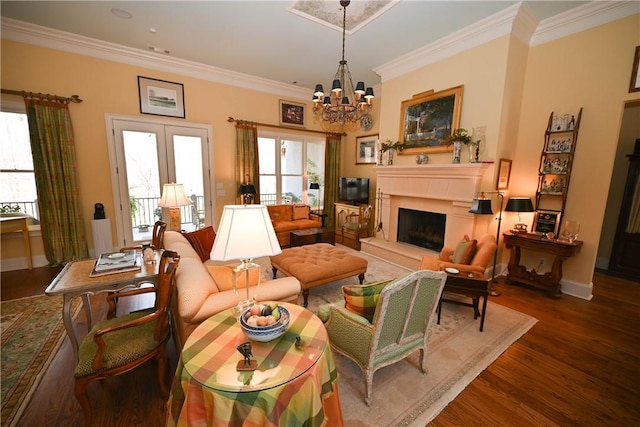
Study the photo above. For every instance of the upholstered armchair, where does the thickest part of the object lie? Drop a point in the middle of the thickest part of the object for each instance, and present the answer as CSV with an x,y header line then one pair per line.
x,y
469,256
401,316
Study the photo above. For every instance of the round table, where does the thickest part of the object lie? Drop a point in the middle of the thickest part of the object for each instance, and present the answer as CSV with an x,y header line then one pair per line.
x,y
291,385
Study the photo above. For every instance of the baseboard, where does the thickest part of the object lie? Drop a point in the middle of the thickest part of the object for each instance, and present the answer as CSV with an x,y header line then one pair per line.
x,y
12,264
577,289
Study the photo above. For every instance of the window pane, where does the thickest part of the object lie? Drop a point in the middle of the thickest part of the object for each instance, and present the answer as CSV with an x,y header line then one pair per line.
x,y
292,186
266,154
291,152
267,189
14,142
141,160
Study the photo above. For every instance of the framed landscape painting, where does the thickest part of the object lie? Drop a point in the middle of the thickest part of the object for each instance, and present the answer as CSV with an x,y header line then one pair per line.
x,y
428,118
160,97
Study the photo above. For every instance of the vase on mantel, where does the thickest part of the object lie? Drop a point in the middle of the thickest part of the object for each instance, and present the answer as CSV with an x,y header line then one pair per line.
x,y
390,157
457,148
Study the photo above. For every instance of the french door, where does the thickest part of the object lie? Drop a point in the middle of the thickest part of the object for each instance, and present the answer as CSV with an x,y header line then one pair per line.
x,y
145,154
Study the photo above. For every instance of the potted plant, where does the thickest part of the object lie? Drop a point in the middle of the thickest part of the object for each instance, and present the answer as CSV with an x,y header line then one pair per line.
x,y
457,138
390,146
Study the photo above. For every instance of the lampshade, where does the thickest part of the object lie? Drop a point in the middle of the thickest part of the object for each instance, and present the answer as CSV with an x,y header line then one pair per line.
x,y
173,196
247,189
481,206
245,232
314,186
519,204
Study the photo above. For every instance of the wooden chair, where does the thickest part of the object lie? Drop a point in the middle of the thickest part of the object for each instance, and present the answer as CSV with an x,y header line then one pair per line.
x,y
157,238
120,344
356,226
400,326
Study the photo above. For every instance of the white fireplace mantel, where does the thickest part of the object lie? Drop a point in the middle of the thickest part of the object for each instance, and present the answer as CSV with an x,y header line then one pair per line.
x,y
442,188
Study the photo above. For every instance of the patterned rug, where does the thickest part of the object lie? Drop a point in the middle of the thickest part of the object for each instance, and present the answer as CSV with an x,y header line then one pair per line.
x,y
458,352
31,333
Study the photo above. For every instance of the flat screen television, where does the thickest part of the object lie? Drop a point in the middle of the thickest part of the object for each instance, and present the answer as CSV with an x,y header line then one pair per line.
x,y
354,190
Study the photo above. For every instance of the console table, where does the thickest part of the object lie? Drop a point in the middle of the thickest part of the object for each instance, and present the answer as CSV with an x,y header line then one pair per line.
x,y
549,281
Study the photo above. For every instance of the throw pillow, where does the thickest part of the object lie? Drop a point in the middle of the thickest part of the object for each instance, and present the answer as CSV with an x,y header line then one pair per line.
x,y
223,276
363,299
202,241
301,212
464,252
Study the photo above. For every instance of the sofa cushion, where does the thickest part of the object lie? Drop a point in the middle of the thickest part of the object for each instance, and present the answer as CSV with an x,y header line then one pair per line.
x,y
202,241
279,213
363,299
223,276
300,212
464,251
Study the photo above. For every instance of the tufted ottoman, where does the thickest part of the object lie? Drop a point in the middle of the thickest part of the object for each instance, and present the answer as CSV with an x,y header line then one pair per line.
x,y
318,264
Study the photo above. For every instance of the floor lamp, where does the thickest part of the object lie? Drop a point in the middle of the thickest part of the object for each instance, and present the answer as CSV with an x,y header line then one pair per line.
x,y
482,206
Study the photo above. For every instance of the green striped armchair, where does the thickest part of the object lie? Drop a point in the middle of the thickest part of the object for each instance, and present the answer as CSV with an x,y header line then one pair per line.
x,y
403,316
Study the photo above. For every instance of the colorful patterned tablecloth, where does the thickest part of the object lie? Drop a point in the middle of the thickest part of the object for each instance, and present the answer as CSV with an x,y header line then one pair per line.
x,y
292,386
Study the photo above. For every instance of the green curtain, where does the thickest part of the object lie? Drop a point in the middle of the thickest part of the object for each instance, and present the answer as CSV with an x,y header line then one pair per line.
x,y
247,163
54,162
331,176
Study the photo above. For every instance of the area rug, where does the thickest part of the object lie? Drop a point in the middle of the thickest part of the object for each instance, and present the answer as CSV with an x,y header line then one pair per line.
x,y
458,352
31,331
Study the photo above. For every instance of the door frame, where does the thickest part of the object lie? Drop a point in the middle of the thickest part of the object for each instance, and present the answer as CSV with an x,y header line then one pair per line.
x,y
209,175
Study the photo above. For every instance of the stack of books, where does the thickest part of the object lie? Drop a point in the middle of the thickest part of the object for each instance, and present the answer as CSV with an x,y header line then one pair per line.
x,y
116,262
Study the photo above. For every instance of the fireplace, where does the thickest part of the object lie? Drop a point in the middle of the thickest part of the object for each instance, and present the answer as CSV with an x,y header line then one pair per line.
x,y
443,189
421,228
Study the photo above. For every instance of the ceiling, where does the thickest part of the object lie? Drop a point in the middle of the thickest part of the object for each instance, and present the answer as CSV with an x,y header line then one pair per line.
x,y
274,40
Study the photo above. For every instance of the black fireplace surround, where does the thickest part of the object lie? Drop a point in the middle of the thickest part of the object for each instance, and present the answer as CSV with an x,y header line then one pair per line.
x,y
420,228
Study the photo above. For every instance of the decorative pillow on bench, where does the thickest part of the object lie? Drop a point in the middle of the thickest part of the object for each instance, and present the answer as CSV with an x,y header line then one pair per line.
x,y
464,252
363,299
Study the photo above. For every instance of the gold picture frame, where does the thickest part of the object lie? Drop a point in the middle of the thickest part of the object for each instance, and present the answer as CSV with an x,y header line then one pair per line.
x,y
504,174
546,222
428,118
292,114
634,85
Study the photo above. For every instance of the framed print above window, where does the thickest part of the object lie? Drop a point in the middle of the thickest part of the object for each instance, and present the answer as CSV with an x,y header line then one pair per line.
x,y
366,148
504,173
292,114
634,85
428,118
161,98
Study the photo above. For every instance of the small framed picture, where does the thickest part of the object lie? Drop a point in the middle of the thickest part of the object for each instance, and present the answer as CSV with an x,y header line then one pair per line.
x,y
366,149
292,114
160,97
504,173
546,222
634,85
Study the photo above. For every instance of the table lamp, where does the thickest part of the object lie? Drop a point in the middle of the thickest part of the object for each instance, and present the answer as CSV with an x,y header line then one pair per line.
x,y
248,192
245,233
482,206
519,204
173,197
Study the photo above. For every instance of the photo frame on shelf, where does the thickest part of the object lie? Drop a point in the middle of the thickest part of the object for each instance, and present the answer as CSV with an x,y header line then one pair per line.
x,y
428,118
634,85
546,222
292,114
504,173
366,149
160,97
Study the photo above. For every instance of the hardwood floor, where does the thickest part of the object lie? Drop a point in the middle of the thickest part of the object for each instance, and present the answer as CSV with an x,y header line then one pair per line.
x,y
578,366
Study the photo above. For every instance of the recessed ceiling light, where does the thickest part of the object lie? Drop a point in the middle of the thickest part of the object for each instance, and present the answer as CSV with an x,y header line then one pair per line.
x,y
159,49
121,13
153,30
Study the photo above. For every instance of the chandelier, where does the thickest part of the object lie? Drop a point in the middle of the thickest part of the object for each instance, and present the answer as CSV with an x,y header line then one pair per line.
x,y
344,107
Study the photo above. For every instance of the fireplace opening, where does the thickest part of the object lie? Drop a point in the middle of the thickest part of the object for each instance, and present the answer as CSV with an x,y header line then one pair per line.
x,y
420,228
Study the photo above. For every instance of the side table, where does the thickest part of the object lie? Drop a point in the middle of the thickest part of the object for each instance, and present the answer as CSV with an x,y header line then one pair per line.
x,y
292,385
309,236
548,281
472,287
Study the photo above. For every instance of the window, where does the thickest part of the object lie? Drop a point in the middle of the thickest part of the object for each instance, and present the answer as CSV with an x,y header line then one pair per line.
x,y
17,178
288,165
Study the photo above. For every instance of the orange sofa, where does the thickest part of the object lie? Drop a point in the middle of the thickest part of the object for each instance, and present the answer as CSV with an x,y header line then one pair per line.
x,y
287,218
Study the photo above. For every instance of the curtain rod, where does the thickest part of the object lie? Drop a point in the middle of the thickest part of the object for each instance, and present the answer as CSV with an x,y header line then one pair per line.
x,y
231,120
73,98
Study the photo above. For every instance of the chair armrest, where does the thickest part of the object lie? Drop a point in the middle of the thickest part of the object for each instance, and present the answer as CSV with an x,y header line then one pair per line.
x,y
446,253
463,268
113,296
350,333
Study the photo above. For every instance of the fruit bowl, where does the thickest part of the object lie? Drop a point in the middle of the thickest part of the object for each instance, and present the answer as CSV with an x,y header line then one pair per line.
x,y
268,332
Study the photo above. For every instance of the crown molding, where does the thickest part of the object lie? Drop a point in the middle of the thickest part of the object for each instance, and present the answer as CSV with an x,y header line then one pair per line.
x,y
582,18
516,20
59,40
479,33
